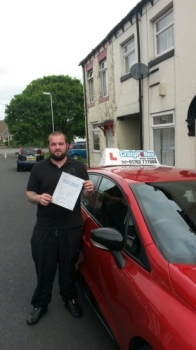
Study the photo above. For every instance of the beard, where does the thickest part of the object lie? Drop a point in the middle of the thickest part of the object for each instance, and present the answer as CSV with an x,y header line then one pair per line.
x,y
58,156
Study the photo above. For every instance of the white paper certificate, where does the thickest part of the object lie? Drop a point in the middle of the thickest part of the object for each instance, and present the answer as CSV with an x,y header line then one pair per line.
x,y
67,191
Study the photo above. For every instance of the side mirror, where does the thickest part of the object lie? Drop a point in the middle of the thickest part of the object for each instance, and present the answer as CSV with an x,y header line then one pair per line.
x,y
109,239
16,153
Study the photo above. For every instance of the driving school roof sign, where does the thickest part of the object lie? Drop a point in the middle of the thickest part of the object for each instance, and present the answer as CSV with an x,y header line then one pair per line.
x,y
115,156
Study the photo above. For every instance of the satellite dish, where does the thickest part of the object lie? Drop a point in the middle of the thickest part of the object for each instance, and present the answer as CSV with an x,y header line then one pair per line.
x,y
139,71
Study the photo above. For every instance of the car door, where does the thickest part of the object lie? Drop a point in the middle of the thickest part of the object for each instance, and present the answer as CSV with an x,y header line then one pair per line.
x,y
117,291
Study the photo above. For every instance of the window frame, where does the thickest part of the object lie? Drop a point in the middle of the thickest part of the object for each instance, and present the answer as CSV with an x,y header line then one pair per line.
x,y
162,114
163,126
104,73
125,55
156,34
90,80
95,130
88,203
140,258
104,186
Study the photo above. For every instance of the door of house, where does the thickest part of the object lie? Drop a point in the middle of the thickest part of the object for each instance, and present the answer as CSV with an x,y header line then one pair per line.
x,y
109,138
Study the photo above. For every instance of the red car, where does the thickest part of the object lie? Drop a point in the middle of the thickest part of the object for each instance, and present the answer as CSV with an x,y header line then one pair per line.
x,y
139,249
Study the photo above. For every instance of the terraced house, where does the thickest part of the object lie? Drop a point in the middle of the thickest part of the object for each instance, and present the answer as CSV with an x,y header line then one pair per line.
x,y
140,86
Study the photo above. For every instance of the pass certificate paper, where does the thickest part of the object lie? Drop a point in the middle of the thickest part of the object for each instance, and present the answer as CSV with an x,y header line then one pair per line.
x,y
67,191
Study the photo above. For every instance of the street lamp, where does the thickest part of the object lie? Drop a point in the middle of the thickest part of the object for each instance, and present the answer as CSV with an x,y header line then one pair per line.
x,y
50,94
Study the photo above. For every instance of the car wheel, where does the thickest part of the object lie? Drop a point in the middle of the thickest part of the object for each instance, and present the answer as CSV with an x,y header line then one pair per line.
x,y
75,156
18,167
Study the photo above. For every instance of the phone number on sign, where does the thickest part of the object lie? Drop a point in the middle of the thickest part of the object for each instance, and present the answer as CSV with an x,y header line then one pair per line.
x,y
140,161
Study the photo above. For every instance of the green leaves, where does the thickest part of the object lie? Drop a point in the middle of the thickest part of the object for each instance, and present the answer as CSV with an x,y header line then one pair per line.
x,y
29,115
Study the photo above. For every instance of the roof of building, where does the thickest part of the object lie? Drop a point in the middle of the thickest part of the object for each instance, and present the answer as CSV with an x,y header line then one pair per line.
x,y
120,25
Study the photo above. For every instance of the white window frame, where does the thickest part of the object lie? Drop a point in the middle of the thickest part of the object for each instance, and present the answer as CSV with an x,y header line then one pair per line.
x,y
156,34
104,78
127,54
90,85
95,131
163,126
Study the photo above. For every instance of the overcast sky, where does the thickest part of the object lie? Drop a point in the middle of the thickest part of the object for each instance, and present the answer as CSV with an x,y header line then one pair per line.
x,y
43,37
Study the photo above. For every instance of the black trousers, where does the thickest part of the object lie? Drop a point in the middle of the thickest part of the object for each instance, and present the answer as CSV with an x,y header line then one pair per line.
x,y
49,249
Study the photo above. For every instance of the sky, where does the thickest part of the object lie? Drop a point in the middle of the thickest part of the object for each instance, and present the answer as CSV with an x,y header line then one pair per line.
x,y
45,37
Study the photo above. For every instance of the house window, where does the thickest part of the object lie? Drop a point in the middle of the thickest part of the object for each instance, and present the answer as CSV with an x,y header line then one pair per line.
x,y
164,40
104,78
164,137
90,85
129,55
96,140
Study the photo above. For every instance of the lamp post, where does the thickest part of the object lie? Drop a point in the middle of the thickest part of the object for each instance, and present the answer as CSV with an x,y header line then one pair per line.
x,y
50,94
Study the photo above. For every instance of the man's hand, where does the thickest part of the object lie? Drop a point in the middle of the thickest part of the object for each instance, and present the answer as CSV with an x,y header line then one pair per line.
x,y
45,199
88,188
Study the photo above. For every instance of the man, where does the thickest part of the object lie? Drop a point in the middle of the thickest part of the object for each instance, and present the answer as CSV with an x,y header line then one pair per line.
x,y
57,233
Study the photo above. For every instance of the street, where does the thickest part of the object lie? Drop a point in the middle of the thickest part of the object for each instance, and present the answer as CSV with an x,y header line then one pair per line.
x,y
57,330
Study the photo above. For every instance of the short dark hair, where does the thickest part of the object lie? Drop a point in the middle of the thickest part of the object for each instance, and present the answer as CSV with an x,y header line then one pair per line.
x,y
57,133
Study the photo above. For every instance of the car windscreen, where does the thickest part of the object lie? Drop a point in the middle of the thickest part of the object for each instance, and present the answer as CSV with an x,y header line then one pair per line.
x,y
169,209
30,151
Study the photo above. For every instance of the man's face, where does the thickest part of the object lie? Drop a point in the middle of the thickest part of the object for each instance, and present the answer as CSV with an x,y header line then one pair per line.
x,y
57,147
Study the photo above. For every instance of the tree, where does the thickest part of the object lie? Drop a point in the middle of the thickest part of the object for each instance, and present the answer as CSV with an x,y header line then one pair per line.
x,y
29,117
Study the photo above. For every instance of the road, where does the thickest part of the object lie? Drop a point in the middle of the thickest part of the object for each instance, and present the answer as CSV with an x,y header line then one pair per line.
x,y
57,330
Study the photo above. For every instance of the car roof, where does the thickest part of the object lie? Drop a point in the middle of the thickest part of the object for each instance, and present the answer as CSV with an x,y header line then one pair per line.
x,y
147,174
139,166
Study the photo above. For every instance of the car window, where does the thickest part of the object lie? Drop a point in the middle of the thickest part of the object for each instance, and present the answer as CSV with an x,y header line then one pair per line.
x,y
132,243
88,202
30,151
169,210
110,207
78,146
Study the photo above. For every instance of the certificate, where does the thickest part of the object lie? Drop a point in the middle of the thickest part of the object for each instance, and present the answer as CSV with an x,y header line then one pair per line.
x,y
67,191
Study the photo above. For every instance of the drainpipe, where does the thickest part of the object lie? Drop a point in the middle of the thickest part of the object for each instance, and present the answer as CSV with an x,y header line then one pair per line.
x,y
86,117
140,83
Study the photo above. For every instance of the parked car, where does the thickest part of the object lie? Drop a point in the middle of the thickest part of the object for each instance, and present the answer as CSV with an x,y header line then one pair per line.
x,y
139,251
28,156
77,149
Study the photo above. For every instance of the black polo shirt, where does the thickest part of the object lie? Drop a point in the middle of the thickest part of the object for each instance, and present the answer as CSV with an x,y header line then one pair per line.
x,y
43,179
